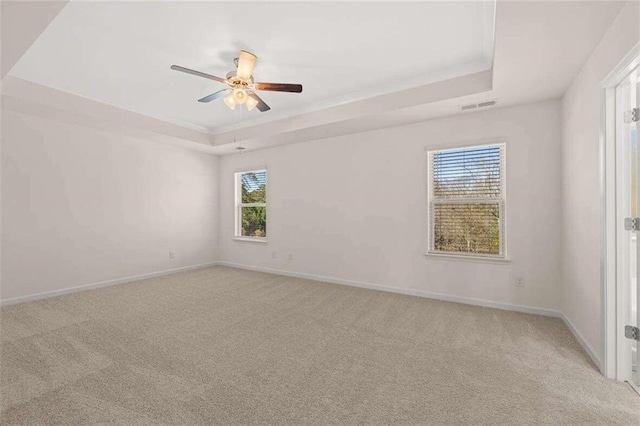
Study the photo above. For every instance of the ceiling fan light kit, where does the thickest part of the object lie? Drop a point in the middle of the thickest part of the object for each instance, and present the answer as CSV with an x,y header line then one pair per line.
x,y
240,95
240,84
251,103
230,102
246,63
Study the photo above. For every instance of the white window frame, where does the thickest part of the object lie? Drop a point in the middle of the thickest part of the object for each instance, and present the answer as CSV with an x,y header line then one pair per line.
x,y
239,205
502,205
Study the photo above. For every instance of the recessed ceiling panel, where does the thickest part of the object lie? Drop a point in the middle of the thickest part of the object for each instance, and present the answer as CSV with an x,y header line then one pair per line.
x,y
119,53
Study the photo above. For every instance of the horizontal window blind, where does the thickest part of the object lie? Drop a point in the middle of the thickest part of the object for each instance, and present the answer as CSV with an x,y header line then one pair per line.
x,y
254,187
468,172
467,200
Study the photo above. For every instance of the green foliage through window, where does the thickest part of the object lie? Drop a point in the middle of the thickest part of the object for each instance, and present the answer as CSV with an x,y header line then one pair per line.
x,y
252,207
254,187
254,221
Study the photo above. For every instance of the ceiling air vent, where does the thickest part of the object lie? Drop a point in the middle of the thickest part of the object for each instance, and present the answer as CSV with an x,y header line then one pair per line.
x,y
479,105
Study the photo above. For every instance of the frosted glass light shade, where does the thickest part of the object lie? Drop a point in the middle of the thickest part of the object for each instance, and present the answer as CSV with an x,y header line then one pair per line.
x,y
246,62
251,103
230,101
240,95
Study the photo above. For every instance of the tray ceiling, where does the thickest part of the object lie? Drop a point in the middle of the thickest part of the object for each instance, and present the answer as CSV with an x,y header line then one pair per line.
x,y
119,53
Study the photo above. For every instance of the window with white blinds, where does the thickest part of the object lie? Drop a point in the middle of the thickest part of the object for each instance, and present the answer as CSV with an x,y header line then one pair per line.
x,y
467,201
251,204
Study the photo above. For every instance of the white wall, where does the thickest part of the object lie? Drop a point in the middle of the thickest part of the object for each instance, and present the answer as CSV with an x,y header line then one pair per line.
x,y
354,207
81,206
581,222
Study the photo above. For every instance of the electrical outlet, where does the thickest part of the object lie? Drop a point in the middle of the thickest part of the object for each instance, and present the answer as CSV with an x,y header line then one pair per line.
x,y
172,255
290,257
519,281
274,254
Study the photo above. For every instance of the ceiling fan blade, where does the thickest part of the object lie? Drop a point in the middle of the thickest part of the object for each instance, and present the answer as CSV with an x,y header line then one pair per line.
x,y
246,63
198,73
279,87
213,96
262,105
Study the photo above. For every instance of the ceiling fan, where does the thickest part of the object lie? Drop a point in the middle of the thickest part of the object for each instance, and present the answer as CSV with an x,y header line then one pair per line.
x,y
240,84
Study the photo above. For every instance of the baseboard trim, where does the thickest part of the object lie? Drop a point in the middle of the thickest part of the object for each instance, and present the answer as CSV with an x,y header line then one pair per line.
x,y
583,342
107,283
438,296
391,289
429,295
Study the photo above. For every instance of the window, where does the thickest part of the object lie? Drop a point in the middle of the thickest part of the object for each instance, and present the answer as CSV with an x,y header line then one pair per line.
x,y
467,201
251,204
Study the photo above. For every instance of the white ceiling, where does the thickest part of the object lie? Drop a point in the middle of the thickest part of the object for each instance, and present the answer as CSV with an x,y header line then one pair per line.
x,y
540,46
119,53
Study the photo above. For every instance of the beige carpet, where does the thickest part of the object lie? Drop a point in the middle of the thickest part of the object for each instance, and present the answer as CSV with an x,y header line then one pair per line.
x,y
225,346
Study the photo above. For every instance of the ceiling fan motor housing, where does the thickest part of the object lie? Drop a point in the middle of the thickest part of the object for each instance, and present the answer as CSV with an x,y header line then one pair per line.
x,y
233,80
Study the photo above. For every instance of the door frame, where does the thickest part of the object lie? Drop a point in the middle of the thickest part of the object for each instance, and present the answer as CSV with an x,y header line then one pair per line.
x,y
611,294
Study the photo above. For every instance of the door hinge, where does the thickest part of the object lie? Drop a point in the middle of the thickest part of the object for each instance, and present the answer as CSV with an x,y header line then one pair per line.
x,y
632,115
631,332
632,223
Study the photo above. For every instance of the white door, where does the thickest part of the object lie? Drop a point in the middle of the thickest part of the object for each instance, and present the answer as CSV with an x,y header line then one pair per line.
x,y
628,213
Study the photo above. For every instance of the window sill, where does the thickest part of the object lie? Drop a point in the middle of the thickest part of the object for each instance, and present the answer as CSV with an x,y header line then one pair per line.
x,y
251,239
465,258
